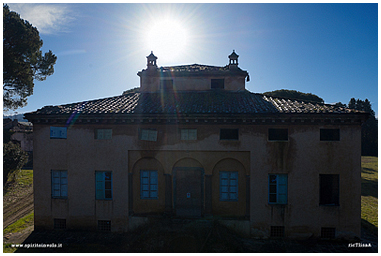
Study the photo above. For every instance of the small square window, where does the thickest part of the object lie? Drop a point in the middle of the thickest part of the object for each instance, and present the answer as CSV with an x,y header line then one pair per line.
x,y
329,233
104,225
229,134
217,84
148,134
277,231
329,134
58,132
278,134
59,223
188,134
103,134
329,189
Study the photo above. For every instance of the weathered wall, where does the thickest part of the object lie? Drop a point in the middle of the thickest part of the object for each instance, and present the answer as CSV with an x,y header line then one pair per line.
x,y
303,158
184,83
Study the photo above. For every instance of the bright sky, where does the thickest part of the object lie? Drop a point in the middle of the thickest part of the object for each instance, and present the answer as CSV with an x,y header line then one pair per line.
x,y
330,50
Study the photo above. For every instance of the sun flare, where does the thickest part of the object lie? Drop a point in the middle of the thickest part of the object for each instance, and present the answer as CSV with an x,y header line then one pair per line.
x,y
167,38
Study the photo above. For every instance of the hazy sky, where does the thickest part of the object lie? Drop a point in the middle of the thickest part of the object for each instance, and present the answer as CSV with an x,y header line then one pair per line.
x,y
330,50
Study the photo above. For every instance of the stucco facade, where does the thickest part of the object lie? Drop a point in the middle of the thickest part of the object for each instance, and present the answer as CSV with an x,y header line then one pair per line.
x,y
274,171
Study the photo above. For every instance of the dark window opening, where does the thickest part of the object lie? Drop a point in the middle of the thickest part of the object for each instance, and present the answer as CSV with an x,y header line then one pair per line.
x,y
229,134
104,225
329,134
59,223
166,84
277,231
278,134
329,189
328,233
217,84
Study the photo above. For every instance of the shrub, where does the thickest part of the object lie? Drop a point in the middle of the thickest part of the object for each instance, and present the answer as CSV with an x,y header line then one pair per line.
x,y
13,159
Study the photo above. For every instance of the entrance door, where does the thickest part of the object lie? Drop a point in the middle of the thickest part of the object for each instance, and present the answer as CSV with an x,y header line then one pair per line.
x,y
188,191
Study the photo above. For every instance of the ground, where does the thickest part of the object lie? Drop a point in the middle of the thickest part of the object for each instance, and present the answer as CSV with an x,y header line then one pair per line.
x,y
173,235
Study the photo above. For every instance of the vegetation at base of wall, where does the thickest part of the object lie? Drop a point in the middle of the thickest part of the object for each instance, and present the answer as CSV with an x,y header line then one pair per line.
x,y
18,182
369,192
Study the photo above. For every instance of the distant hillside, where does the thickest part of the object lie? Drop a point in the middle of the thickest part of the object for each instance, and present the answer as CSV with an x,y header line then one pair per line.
x,y
19,117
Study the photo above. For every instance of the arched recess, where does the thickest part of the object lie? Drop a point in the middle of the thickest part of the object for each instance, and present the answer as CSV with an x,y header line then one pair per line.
x,y
229,173
188,188
139,203
188,162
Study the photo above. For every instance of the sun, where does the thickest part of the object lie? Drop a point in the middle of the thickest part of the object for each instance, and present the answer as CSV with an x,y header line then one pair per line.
x,y
167,38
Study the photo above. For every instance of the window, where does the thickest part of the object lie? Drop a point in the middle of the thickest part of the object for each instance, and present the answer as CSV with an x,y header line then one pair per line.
x,y
278,134
104,225
328,233
148,184
329,134
188,134
103,185
148,134
103,134
278,188
59,224
228,186
229,134
166,84
59,184
58,132
277,231
329,189
217,84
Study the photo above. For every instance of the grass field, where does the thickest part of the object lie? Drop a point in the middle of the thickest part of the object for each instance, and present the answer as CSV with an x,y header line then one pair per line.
x,y
369,192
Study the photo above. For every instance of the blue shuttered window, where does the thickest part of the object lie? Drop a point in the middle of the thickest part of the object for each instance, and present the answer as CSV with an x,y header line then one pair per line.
x,y
58,132
228,186
278,188
103,134
103,185
59,184
148,184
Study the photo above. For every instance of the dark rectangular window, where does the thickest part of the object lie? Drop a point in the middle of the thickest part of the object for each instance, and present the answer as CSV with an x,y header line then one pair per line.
x,y
329,189
277,231
278,188
217,84
104,225
229,134
328,233
103,185
278,134
166,84
330,134
59,223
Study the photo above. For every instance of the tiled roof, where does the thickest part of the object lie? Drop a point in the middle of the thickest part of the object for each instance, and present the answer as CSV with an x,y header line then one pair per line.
x,y
190,103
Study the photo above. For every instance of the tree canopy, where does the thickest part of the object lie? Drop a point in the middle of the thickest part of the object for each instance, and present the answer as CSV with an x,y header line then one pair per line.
x,y
23,60
292,94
